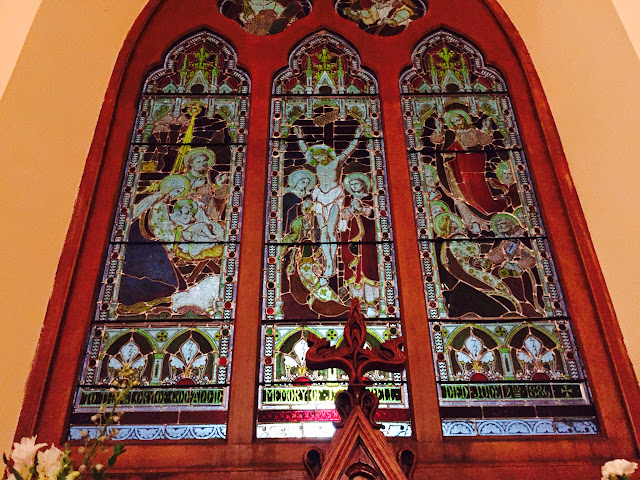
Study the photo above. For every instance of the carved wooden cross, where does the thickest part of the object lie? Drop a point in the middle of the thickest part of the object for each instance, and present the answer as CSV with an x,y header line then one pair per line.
x,y
355,360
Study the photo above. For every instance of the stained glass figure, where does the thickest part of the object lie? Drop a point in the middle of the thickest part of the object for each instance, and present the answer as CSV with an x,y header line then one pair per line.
x,y
167,299
328,235
265,17
381,17
499,325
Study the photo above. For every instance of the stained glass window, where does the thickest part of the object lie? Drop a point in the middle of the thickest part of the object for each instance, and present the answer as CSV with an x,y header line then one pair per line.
x,y
167,299
265,17
504,355
381,17
328,238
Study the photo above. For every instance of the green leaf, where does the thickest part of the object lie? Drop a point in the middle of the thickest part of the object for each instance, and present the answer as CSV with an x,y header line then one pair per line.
x,y
34,468
99,474
4,459
118,449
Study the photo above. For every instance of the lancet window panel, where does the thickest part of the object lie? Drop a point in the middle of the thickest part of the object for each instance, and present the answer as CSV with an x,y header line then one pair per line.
x,y
328,234
505,358
328,231
167,299
295,402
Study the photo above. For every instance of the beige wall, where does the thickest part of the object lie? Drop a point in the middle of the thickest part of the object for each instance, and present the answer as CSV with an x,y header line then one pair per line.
x,y
585,60
15,21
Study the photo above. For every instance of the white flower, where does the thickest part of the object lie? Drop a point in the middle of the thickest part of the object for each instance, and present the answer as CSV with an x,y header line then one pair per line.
x,y
23,454
49,463
617,468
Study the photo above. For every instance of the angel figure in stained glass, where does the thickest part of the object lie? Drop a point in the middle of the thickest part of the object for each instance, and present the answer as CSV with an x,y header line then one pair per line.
x,y
328,195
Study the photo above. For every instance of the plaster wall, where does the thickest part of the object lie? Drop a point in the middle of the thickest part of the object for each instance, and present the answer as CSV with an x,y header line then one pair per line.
x,y
583,55
15,22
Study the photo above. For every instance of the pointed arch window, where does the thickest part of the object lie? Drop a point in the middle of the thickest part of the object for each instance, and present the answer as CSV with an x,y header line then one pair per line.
x,y
500,328
167,299
328,238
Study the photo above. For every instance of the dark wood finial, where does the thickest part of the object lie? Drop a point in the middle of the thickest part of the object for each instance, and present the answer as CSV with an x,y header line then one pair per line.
x,y
355,361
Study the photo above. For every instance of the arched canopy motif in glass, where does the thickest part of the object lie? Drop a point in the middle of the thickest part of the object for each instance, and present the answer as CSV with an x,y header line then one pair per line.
x,y
167,300
499,325
328,237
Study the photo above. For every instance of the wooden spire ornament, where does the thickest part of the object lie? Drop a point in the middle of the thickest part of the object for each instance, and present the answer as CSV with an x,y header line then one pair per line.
x,y
359,450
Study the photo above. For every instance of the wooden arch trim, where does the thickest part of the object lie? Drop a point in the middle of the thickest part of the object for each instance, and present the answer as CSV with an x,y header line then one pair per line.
x,y
161,24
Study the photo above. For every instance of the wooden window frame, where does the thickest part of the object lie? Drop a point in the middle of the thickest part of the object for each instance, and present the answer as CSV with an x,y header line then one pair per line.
x,y
161,24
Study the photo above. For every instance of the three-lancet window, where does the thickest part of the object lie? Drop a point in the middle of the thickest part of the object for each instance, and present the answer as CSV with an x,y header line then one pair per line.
x,y
500,330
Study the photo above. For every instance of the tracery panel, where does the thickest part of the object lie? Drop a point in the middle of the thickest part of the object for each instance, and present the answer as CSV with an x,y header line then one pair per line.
x,y
167,299
265,17
381,17
505,359
328,237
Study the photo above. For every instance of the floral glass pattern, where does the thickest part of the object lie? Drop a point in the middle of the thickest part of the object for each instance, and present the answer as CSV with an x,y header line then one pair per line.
x,y
328,236
265,17
499,325
381,17
167,300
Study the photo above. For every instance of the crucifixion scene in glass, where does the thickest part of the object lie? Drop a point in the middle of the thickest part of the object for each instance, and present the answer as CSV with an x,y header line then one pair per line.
x,y
328,238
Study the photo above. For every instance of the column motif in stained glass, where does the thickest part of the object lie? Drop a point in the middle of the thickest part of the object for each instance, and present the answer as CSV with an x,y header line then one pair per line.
x,y
167,298
265,17
328,237
499,325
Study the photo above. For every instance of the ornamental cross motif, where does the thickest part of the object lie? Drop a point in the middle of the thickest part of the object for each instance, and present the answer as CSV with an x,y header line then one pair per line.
x,y
446,55
355,360
325,57
202,55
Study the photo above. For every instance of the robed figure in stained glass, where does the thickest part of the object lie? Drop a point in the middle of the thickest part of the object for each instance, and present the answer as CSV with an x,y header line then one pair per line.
x,y
328,234
166,303
491,279
465,169
328,195
181,216
361,276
